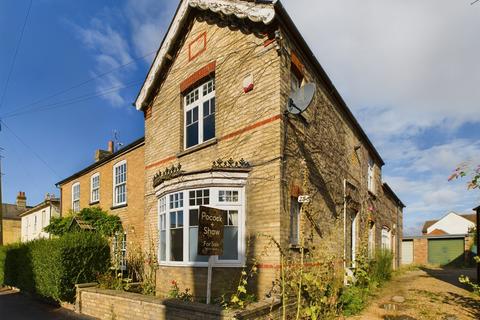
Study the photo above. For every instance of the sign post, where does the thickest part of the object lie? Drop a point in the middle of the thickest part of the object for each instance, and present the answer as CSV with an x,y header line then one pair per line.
x,y
210,239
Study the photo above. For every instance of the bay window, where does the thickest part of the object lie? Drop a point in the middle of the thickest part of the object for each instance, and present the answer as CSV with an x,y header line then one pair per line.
x,y
179,219
199,114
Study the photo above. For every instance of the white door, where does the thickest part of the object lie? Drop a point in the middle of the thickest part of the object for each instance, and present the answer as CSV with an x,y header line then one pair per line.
x,y
407,252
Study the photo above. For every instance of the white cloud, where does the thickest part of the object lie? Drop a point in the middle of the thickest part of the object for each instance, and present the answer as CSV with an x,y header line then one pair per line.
x,y
110,50
417,60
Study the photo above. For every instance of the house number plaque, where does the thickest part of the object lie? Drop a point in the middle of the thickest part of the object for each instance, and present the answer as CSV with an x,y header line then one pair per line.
x,y
210,231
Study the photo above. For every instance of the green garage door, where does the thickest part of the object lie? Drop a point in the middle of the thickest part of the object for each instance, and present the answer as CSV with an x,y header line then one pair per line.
x,y
446,251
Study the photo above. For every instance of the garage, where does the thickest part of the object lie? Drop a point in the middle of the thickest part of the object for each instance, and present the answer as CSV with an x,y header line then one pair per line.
x,y
446,251
407,251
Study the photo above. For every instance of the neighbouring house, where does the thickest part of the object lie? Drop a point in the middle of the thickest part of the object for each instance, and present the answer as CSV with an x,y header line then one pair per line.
x,y
217,134
451,223
35,219
11,220
115,183
446,241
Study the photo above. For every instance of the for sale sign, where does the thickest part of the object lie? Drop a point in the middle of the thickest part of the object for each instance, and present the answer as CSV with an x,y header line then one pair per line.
x,y
210,231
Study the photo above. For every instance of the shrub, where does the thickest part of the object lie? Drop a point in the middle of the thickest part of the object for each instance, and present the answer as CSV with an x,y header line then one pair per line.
x,y
381,268
105,224
51,268
353,299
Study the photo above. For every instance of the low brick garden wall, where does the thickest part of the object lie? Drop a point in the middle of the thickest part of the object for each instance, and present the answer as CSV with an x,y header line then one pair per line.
x,y
111,304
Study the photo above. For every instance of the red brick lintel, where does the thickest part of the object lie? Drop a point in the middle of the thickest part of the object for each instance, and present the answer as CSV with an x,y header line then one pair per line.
x,y
197,76
225,137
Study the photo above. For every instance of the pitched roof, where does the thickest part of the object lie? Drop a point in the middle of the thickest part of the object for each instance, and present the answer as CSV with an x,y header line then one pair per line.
x,y
437,232
11,211
261,11
471,217
43,204
429,223
389,190
137,143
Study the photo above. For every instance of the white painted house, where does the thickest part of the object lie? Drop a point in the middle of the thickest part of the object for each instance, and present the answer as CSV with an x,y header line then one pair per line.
x,y
451,223
38,217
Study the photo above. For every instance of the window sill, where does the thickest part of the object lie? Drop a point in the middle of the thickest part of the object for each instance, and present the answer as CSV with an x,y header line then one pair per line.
x,y
119,206
94,203
198,147
201,264
370,192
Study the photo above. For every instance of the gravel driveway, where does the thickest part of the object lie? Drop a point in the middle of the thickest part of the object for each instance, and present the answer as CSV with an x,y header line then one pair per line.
x,y
434,294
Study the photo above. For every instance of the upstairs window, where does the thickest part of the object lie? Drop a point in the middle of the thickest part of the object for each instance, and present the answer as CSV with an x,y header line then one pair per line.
x,y
120,183
76,197
200,114
95,188
371,175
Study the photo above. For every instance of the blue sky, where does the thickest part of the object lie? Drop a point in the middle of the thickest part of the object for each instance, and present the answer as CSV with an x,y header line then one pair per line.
x,y
408,70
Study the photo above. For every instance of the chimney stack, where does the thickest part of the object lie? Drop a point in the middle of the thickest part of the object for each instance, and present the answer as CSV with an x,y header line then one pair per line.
x,y
110,146
101,154
21,201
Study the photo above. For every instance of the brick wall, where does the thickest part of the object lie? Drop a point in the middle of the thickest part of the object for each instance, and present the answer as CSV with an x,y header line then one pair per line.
x,y
11,231
132,214
247,126
420,251
334,150
109,304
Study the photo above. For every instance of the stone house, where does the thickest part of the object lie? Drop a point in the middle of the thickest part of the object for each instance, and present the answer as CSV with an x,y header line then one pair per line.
x,y
217,133
115,183
35,219
11,221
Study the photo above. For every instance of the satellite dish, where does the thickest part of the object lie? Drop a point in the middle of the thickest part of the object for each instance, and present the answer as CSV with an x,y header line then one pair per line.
x,y
301,99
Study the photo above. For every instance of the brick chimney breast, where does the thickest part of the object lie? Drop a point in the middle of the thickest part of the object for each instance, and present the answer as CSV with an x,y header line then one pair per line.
x,y
21,201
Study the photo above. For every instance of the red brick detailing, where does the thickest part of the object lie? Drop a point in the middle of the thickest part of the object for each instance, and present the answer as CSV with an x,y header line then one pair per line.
x,y
297,66
201,45
251,127
268,42
226,137
197,76
153,165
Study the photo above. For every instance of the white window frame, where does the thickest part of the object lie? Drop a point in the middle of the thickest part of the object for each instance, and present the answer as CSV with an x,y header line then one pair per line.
x,y
75,199
355,237
371,240
386,238
215,203
93,188
115,185
371,175
199,104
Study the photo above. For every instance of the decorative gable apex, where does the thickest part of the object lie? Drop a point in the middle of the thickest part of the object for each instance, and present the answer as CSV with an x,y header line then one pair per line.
x,y
256,12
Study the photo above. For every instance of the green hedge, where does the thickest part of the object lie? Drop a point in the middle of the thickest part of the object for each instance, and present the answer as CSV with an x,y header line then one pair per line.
x,y
51,268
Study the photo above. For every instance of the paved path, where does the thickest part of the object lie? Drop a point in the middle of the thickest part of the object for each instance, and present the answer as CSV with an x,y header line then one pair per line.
x,y
430,294
16,306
